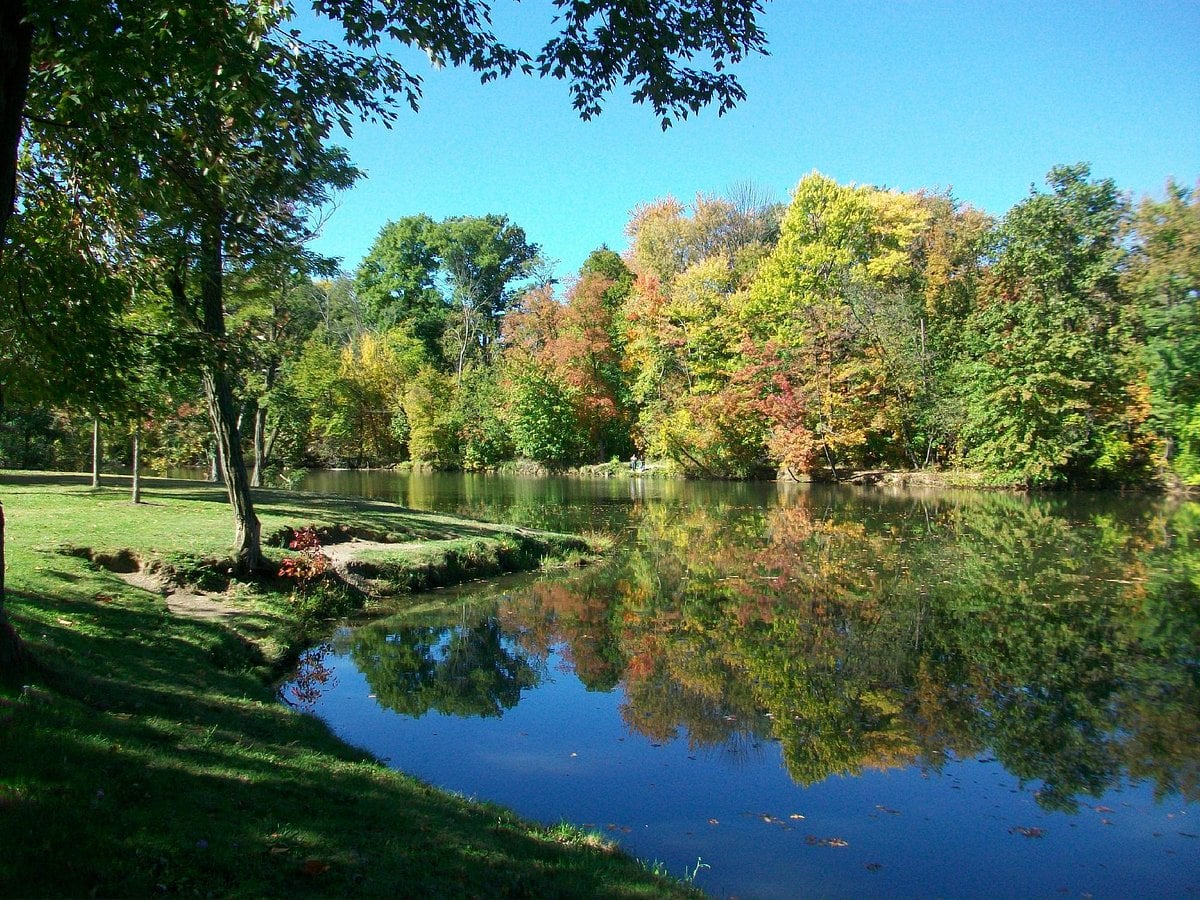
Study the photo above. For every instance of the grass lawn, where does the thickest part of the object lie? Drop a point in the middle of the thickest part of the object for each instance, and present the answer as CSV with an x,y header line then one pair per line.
x,y
148,754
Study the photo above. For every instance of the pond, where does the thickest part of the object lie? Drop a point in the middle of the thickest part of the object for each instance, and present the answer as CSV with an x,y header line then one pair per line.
x,y
791,690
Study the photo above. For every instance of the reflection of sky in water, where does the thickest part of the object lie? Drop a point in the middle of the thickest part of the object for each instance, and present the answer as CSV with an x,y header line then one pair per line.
x,y
565,753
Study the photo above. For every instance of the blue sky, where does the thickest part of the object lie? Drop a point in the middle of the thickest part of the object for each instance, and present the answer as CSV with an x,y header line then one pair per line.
x,y
979,97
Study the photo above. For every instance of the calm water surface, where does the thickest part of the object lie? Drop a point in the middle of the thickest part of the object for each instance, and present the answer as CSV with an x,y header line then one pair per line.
x,y
811,692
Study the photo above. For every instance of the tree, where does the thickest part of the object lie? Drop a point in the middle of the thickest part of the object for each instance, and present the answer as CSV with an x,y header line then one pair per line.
x,y
483,259
397,280
60,312
842,248
1163,279
544,423
574,347
196,178
271,316
1048,391
608,264
118,48
433,433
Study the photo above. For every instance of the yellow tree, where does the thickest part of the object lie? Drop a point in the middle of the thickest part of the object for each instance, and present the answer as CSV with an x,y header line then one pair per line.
x,y
812,299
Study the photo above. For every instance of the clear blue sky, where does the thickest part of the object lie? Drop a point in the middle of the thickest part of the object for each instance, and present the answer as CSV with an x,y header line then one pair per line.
x,y
980,97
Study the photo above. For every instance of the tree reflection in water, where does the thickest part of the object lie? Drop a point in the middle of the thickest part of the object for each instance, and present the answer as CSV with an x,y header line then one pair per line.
x,y
462,670
861,631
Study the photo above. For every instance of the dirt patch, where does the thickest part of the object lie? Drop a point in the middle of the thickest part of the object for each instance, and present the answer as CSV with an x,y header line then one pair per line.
x,y
342,557
210,607
186,601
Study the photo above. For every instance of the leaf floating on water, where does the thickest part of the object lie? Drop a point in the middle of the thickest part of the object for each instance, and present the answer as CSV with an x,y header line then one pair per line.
x,y
813,841
713,822
795,816
1103,809
1027,832
890,812
873,866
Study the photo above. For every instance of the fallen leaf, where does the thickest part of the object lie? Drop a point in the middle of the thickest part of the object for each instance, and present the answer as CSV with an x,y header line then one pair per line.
x,y
814,841
312,867
1027,832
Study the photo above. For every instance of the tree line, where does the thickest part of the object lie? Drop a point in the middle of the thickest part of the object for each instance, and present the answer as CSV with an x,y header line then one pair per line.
x,y
854,327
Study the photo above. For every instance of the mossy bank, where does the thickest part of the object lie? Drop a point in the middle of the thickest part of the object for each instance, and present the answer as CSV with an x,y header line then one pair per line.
x,y
147,754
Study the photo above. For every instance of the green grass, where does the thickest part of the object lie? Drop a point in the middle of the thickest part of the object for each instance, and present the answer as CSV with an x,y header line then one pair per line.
x,y
148,755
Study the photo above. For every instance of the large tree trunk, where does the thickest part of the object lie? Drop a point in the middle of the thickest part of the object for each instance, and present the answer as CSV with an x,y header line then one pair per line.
x,y
16,47
247,540
14,658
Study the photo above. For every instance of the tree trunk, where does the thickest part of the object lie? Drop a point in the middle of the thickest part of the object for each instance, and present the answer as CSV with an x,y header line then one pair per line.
x,y
137,461
214,461
14,658
97,451
16,47
260,445
247,547
262,449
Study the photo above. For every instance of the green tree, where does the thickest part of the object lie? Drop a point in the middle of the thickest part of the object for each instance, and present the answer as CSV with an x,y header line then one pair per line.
x,y
397,280
484,260
1046,376
542,412
270,316
608,264
111,50
485,437
433,427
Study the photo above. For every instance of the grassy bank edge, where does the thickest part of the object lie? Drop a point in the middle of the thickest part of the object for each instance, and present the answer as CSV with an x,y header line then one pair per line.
x,y
148,754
